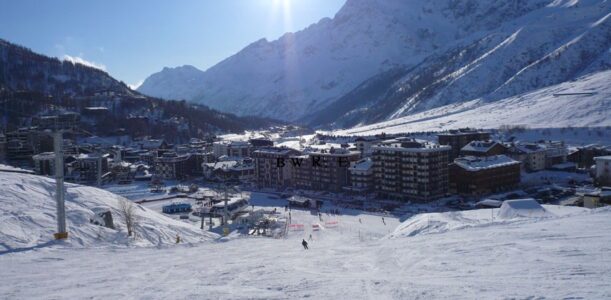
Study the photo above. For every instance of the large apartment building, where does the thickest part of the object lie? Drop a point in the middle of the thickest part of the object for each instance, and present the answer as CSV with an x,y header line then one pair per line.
x,y
323,169
232,149
173,166
268,171
477,176
407,169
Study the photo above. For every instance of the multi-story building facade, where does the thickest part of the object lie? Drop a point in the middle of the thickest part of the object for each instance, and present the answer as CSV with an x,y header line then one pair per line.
x,y
232,149
532,155
44,163
173,166
23,143
361,176
64,120
91,167
323,169
603,170
556,152
476,176
457,139
272,168
411,170
364,144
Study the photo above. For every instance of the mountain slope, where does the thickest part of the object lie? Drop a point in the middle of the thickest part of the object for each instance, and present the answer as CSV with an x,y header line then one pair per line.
x,y
173,83
24,70
337,70
31,84
554,107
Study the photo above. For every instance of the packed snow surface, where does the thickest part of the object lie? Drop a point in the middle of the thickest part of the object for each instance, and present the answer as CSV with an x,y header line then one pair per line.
x,y
529,208
475,256
28,210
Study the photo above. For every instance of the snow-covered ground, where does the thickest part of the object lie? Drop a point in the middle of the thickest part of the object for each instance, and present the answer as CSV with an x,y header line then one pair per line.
x,y
537,109
27,217
564,255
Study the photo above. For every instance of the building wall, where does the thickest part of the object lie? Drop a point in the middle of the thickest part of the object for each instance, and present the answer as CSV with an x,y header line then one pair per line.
x,y
603,171
485,181
361,179
331,175
459,140
418,175
267,171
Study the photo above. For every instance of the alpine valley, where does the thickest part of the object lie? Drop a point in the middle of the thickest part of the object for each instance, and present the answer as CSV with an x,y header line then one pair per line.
x,y
378,60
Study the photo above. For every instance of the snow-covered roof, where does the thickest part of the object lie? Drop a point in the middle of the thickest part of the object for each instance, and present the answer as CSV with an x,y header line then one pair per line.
x,y
44,156
329,151
603,158
364,164
410,145
479,146
489,203
529,147
276,150
472,163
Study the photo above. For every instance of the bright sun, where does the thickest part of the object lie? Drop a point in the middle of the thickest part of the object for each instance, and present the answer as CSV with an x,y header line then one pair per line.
x,y
284,4
283,7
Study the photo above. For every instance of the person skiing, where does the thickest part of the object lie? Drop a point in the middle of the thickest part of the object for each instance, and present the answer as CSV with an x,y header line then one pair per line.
x,y
305,244
310,237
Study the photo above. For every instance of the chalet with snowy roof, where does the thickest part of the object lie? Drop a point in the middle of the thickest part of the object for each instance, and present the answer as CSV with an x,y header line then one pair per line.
x,y
483,148
477,176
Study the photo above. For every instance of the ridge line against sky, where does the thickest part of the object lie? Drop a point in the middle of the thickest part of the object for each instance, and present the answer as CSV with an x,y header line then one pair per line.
x,y
134,39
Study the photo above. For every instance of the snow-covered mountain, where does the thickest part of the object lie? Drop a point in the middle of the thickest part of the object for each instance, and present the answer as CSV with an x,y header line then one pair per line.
x,y
382,59
173,83
584,102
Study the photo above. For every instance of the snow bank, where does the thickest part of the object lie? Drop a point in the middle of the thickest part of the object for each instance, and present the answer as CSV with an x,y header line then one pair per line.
x,y
524,208
27,217
432,223
441,222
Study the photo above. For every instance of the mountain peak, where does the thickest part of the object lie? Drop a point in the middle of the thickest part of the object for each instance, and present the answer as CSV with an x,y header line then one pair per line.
x,y
449,51
172,82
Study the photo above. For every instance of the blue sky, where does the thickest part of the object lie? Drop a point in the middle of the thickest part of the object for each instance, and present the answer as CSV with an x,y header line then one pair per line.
x,y
132,39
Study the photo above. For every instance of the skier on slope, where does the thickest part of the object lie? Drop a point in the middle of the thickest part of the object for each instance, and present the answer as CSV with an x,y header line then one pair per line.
x,y
305,244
